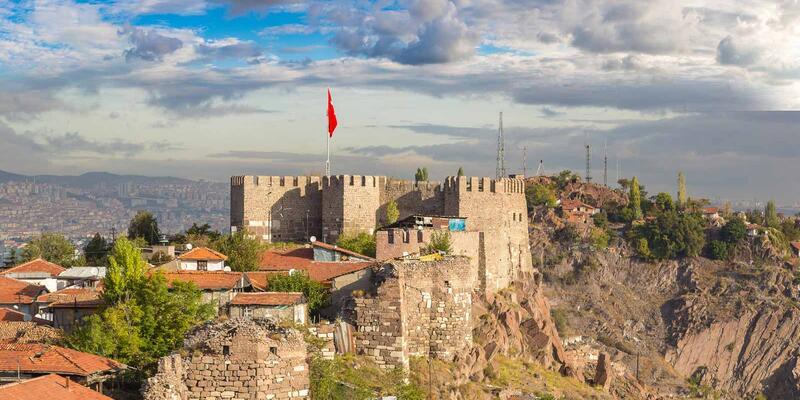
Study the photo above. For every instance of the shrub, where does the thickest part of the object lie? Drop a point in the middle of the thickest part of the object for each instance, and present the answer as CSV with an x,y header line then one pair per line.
x,y
299,281
719,250
361,243
568,234
440,242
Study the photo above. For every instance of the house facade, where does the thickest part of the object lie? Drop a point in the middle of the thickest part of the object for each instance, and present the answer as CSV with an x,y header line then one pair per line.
x,y
201,259
278,306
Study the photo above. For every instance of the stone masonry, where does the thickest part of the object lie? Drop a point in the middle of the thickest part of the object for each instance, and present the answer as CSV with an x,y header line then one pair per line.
x,y
294,208
237,359
417,308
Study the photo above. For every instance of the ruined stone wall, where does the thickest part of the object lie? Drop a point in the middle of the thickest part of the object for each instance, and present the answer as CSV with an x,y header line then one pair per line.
x,y
277,208
498,209
418,308
379,329
392,243
239,359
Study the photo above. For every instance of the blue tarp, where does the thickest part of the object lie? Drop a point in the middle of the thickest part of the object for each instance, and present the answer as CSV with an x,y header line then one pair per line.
x,y
457,225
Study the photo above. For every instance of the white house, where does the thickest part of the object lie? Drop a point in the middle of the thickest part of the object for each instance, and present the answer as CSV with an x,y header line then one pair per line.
x,y
37,272
201,259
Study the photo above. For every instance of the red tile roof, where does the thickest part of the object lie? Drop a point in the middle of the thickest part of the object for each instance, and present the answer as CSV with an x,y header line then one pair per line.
x,y
796,245
331,247
259,279
73,297
37,265
40,358
49,387
568,204
202,253
14,291
303,259
10,315
268,299
205,280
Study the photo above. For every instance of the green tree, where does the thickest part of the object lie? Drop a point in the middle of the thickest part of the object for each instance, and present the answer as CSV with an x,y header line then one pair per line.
x,y
663,202
624,184
202,231
243,251
600,220
681,189
440,242
733,231
540,195
643,248
52,247
421,175
460,171
672,234
564,178
126,269
96,250
299,281
392,212
144,225
771,215
635,199
360,242
143,319
719,250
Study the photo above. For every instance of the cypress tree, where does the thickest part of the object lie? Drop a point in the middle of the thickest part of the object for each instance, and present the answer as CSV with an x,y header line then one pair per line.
x,y
636,199
681,189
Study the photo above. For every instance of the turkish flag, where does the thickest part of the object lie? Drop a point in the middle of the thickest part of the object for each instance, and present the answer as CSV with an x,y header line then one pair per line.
x,y
332,123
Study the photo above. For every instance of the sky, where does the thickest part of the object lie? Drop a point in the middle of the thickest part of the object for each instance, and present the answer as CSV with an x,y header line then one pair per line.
x,y
206,89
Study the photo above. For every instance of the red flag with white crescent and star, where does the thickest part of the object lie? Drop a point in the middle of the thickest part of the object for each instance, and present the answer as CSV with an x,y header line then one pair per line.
x,y
332,123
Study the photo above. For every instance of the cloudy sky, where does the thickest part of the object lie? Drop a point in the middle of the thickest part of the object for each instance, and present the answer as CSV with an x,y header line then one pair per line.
x,y
213,88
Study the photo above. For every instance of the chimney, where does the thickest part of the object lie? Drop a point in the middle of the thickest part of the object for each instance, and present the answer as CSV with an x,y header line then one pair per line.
x,y
67,382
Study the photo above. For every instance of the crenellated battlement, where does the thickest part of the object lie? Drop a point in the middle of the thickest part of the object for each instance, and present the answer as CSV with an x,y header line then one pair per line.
x,y
351,180
284,181
484,184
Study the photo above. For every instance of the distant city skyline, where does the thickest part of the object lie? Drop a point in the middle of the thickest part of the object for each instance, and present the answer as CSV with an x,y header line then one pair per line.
x,y
207,89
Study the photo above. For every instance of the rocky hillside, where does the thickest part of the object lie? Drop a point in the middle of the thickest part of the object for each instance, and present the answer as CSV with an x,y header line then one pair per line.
x,y
693,327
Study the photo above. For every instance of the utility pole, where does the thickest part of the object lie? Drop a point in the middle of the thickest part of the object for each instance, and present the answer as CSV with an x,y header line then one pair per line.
x,y
500,171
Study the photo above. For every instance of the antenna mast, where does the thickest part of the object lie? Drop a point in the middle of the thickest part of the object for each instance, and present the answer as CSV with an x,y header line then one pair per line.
x,y
501,158
605,162
588,164
525,161
540,170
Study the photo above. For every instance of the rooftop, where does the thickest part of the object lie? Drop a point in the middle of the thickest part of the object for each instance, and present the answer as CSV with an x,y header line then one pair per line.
x,y
84,273
303,259
49,387
338,249
36,266
205,280
268,299
72,297
202,253
11,315
13,291
42,358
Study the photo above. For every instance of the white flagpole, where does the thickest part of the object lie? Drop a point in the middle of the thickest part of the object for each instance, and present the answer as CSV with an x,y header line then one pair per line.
x,y
328,150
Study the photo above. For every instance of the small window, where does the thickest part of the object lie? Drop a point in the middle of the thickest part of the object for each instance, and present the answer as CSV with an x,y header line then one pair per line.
x,y
273,350
247,312
202,265
447,284
419,236
226,350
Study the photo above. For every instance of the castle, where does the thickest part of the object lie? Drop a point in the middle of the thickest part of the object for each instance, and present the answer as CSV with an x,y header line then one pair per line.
x,y
294,208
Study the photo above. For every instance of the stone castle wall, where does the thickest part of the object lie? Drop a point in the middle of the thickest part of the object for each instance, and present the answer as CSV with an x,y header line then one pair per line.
x,y
418,308
285,208
277,208
239,359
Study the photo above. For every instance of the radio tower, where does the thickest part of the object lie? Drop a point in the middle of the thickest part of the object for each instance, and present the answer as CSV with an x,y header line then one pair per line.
x,y
588,164
500,172
605,162
525,161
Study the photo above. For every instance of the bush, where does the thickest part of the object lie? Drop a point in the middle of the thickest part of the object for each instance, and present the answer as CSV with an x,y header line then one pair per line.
x,y
440,242
560,319
600,238
540,195
600,220
361,243
719,250
568,234
733,231
299,281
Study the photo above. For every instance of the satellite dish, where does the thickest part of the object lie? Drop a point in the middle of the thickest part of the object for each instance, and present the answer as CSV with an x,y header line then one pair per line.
x,y
95,271
188,246
312,239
